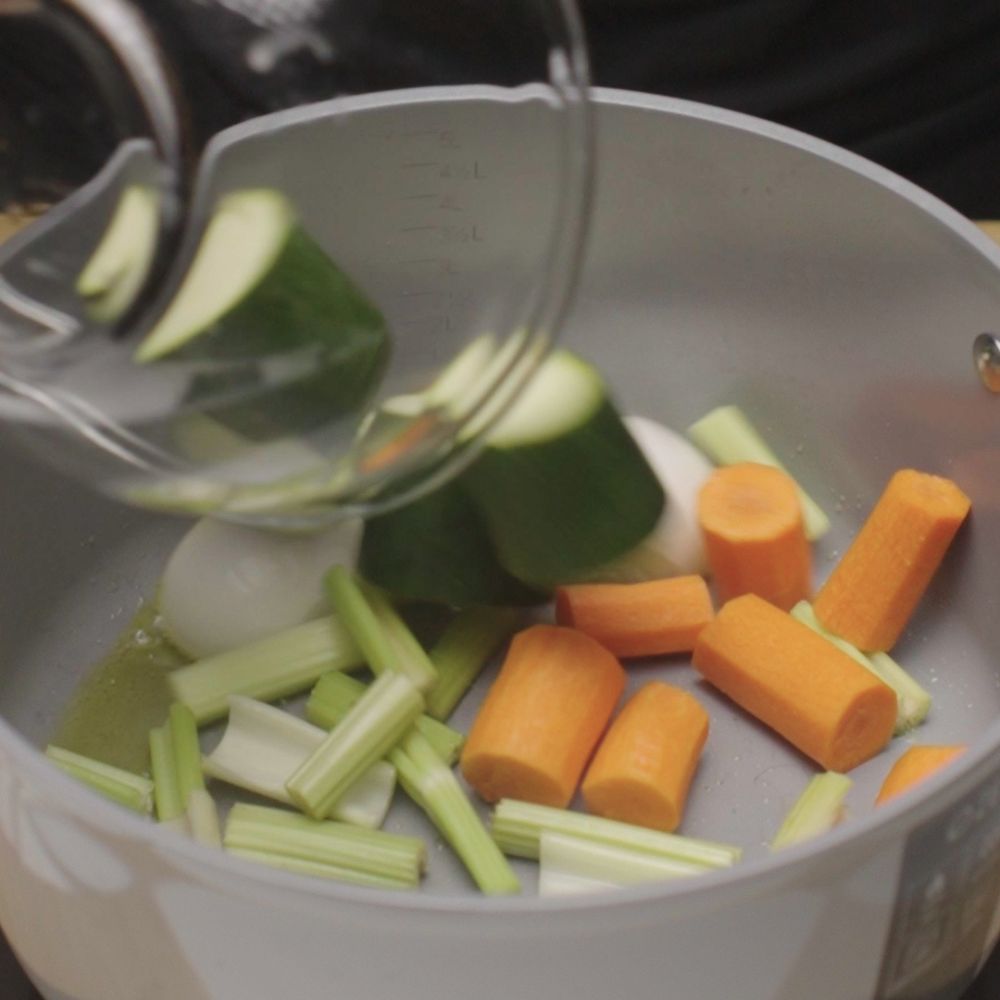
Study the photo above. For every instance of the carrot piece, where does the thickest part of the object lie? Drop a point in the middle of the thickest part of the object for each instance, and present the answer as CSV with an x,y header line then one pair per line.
x,y
638,619
751,519
873,590
543,716
643,767
913,766
797,682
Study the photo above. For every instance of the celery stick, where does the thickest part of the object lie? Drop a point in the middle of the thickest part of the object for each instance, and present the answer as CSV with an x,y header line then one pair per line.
x,y
318,869
816,811
187,752
439,794
913,702
369,730
359,618
263,746
287,835
199,807
366,802
281,665
410,658
380,633
203,818
166,785
127,789
610,865
518,827
462,652
179,786
555,883
336,694
727,436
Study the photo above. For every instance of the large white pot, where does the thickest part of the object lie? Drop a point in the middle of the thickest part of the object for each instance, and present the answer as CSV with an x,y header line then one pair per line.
x,y
730,261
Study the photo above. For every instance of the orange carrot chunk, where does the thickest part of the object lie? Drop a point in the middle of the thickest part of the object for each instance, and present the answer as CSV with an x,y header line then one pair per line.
x,y
543,716
917,763
875,587
751,519
638,619
797,682
643,768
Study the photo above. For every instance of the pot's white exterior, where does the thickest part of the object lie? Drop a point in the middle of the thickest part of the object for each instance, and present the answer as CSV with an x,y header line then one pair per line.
x,y
98,913
101,906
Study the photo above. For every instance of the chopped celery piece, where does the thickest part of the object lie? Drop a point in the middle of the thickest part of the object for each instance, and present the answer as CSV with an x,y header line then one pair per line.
x,y
359,618
336,694
410,658
434,787
462,651
555,883
166,786
727,436
281,665
816,811
423,767
913,702
203,818
127,789
263,746
518,827
577,858
343,850
369,730
179,786
318,869
366,802
381,635
187,752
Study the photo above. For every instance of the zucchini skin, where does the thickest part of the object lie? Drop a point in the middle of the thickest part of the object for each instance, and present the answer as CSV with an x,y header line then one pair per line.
x,y
305,304
438,549
557,508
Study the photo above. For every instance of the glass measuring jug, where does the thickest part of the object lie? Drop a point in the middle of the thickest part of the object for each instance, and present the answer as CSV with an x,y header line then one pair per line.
x,y
295,257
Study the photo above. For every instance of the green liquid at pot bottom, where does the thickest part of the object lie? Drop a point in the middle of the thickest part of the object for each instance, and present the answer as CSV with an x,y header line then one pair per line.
x,y
123,697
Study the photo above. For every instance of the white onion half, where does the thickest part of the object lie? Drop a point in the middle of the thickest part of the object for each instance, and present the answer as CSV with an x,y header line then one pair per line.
x,y
682,470
226,584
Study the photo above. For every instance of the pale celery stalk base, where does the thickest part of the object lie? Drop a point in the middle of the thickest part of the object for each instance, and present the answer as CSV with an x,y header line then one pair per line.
x,y
817,810
570,862
262,748
518,826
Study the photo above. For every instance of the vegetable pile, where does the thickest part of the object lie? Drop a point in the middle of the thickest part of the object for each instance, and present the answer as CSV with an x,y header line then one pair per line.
x,y
575,541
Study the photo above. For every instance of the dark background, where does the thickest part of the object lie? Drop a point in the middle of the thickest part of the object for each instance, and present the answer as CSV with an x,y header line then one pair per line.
x,y
911,84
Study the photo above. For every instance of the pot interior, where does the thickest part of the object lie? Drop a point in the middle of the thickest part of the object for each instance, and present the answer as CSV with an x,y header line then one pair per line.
x,y
728,262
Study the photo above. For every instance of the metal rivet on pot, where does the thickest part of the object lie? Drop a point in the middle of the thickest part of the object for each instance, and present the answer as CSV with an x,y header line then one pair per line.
x,y
986,351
